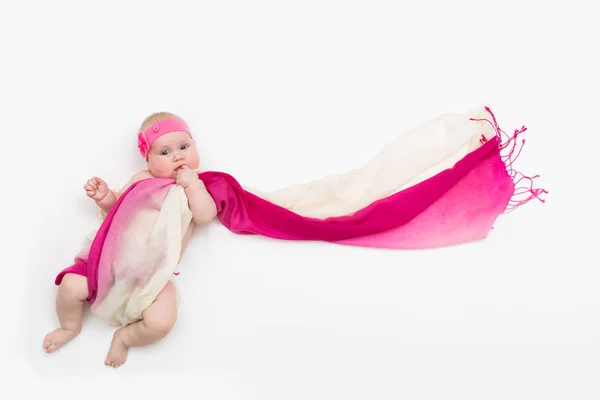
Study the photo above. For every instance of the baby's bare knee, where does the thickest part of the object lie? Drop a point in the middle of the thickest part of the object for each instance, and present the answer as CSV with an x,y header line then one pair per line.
x,y
74,287
160,317
160,325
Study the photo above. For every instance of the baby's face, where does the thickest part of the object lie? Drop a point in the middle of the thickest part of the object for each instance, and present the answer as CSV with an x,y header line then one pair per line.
x,y
170,152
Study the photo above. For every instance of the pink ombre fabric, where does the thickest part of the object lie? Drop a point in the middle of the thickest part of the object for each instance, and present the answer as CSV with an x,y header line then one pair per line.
x,y
457,205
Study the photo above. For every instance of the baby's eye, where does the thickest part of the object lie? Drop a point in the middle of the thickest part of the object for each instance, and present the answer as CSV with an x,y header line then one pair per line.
x,y
164,153
185,146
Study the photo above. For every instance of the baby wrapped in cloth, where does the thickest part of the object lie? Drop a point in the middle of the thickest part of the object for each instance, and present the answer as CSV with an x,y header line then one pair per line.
x,y
443,183
135,252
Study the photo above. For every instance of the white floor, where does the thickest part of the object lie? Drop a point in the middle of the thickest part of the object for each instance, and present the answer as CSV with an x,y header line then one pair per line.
x,y
279,94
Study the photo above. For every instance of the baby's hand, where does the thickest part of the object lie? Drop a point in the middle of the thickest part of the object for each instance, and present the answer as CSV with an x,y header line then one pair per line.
x,y
185,176
96,189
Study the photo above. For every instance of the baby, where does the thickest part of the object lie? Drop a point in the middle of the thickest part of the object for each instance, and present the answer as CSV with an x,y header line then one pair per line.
x,y
170,151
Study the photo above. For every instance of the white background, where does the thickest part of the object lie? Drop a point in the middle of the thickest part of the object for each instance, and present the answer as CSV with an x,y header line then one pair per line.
x,y
280,92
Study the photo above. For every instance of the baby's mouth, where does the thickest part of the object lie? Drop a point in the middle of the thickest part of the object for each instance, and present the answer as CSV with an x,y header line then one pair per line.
x,y
176,170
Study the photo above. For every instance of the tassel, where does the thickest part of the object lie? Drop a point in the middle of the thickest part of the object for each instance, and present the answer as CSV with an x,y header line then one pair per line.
x,y
522,194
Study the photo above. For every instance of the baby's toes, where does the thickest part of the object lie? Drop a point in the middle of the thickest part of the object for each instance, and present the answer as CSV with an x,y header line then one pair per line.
x,y
49,347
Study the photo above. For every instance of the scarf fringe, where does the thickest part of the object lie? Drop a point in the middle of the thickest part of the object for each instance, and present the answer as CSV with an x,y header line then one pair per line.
x,y
508,144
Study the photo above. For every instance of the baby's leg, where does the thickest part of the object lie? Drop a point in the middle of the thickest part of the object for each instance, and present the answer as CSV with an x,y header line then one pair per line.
x,y
70,301
157,321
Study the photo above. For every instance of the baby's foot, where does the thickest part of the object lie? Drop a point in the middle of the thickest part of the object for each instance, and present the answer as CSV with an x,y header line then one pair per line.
x,y
117,353
55,339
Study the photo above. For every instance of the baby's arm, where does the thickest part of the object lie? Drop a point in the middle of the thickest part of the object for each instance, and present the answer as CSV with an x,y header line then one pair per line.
x,y
106,198
107,202
97,190
201,203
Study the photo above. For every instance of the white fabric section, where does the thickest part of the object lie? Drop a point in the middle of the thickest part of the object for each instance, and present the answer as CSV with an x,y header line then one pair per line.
x,y
151,250
411,158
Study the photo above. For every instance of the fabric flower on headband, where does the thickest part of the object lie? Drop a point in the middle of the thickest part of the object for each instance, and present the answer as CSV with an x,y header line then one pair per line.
x,y
143,144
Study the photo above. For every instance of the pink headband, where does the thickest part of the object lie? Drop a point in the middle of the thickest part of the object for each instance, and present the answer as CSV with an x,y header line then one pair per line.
x,y
145,139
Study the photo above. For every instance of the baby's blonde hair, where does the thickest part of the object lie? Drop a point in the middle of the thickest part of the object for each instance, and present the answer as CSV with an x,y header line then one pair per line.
x,y
157,117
